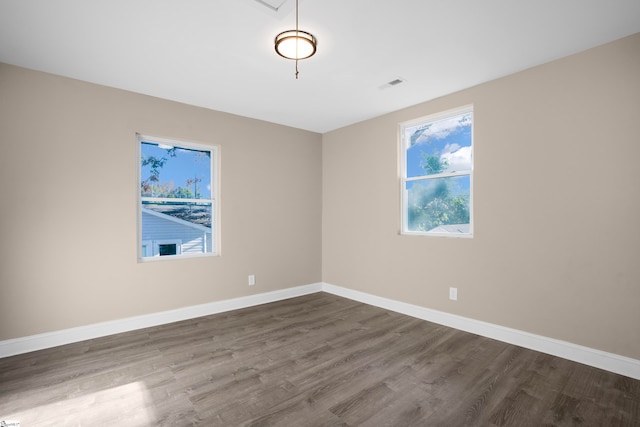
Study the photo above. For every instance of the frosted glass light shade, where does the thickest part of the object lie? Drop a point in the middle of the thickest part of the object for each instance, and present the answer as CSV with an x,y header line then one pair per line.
x,y
294,44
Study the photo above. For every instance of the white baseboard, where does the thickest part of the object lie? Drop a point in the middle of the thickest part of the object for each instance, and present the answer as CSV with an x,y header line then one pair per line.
x,y
66,336
577,353
589,356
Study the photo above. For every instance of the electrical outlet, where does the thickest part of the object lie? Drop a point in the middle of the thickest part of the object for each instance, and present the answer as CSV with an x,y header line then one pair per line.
x,y
252,279
453,294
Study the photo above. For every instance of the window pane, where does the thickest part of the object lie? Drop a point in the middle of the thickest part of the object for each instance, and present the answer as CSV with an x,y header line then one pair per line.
x,y
175,172
188,223
441,146
439,205
177,199
167,249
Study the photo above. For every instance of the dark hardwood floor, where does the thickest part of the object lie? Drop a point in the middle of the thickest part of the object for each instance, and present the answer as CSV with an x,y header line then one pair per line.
x,y
317,360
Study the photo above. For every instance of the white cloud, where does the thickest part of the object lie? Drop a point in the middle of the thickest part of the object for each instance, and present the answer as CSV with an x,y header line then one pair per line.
x,y
458,158
443,128
450,148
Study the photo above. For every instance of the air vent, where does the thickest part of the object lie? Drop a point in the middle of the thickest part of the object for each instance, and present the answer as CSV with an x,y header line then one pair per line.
x,y
392,83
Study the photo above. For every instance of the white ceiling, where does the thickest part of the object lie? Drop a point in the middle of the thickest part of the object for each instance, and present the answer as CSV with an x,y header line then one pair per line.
x,y
219,53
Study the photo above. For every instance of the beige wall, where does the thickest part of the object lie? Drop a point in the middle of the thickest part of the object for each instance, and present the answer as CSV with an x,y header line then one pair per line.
x,y
68,176
557,241
556,250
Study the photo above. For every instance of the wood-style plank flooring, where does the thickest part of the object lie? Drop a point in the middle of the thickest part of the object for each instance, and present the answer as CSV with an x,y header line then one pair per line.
x,y
316,360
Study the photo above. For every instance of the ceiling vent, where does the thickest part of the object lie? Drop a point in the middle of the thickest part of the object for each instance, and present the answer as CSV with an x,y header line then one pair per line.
x,y
395,82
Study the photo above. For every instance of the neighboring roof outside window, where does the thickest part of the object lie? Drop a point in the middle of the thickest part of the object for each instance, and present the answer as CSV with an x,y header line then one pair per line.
x,y
199,215
451,228
183,217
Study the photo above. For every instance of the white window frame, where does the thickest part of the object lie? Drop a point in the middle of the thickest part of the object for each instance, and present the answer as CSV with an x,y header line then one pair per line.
x,y
402,147
214,151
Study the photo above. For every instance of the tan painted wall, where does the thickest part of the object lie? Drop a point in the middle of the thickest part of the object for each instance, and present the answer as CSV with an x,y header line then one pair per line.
x,y
557,241
68,181
556,250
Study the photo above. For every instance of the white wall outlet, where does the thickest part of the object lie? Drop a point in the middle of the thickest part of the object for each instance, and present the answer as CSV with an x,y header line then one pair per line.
x,y
252,279
453,294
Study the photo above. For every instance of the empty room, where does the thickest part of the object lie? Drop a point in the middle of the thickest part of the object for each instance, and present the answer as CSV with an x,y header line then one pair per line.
x,y
319,213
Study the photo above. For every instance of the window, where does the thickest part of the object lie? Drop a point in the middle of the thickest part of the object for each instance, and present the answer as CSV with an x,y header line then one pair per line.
x,y
164,247
437,174
177,199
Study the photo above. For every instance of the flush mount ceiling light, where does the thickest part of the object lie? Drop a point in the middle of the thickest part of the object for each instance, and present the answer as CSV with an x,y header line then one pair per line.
x,y
296,44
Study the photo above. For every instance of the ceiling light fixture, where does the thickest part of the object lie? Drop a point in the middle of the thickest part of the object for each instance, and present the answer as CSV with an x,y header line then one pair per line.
x,y
296,44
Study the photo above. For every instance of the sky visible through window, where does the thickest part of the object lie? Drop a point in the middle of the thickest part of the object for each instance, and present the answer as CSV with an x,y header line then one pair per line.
x,y
449,140
175,172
